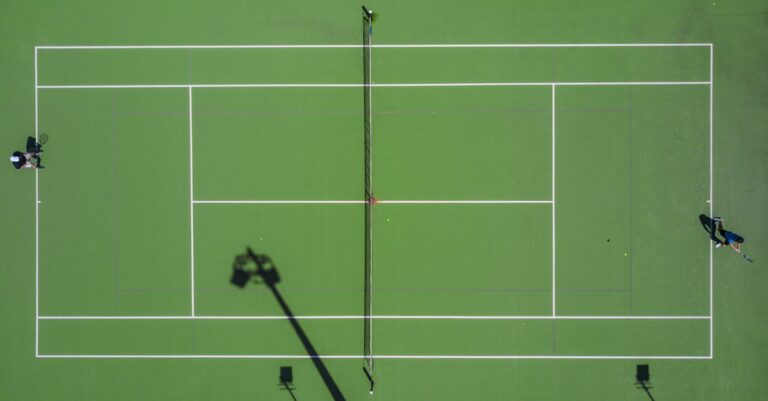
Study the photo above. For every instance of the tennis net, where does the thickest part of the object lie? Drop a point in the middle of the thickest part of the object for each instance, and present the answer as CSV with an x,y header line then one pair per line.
x,y
369,199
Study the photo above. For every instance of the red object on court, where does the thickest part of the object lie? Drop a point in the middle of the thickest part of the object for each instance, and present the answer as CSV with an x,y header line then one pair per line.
x,y
373,200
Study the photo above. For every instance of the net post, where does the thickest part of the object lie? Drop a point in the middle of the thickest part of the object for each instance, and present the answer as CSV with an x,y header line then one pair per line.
x,y
367,14
370,379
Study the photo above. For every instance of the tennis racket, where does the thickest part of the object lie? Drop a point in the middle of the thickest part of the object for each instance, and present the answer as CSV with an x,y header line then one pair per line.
x,y
43,139
747,257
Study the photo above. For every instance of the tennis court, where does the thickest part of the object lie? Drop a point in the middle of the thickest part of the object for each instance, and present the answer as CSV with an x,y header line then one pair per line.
x,y
463,219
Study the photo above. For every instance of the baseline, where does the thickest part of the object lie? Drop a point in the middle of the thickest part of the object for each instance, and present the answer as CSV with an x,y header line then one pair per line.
x,y
391,85
382,46
597,357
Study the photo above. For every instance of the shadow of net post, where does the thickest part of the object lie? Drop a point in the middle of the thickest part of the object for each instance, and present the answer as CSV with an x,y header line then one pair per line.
x,y
643,377
286,380
265,272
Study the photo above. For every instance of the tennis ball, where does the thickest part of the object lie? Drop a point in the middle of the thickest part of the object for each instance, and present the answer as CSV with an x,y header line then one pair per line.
x,y
625,254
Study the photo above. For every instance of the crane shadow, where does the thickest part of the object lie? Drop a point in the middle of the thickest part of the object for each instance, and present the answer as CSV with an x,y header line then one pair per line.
x,y
260,269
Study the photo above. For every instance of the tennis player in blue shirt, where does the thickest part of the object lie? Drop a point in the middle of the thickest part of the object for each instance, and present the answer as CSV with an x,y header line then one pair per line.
x,y
731,238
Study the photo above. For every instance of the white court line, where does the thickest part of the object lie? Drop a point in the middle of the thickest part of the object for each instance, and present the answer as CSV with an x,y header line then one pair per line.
x,y
711,201
382,317
398,85
185,86
463,202
632,357
411,202
554,271
191,208
277,201
391,85
382,46
37,228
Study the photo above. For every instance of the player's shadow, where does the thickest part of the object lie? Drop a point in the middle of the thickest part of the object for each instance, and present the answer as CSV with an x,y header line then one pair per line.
x,y
261,270
710,226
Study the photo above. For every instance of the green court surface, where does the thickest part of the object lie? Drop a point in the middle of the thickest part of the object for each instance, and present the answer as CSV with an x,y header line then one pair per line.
x,y
539,171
